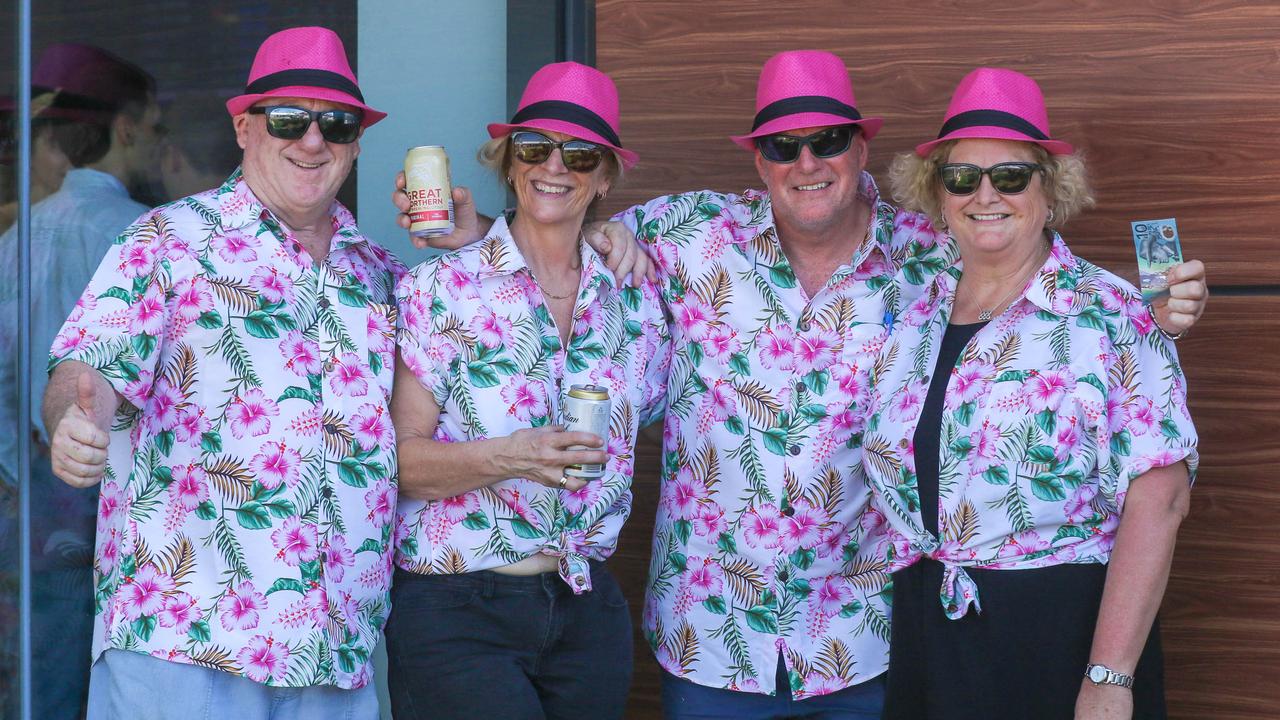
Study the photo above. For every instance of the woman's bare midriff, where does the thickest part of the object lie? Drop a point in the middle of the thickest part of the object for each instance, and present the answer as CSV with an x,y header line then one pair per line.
x,y
532,565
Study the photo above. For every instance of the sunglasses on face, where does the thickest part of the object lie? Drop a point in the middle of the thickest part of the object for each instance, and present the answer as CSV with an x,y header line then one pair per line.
x,y
1009,178
577,155
291,123
826,143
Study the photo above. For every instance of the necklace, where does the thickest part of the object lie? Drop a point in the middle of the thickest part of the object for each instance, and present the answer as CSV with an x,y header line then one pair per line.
x,y
984,314
552,295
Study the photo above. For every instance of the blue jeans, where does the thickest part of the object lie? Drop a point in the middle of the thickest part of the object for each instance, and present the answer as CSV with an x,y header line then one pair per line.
x,y
484,645
685,700
126,685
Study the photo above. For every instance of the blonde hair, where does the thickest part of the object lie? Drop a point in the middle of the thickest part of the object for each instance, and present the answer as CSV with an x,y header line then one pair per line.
x,y
916,186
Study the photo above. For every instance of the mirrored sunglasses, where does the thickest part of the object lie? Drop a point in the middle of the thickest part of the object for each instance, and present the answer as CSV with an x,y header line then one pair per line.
x,y
291,123
1009,178
577,155
827,143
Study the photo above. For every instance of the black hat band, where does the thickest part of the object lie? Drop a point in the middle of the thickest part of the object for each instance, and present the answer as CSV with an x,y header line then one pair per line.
x,y
303,78
804,104
991,118
568,112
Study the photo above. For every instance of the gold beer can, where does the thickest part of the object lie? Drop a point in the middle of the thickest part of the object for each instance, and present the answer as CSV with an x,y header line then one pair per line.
x,y
587,410
426,181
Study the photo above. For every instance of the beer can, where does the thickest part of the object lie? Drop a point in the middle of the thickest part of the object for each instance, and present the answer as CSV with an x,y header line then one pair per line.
x,y
587,410
426,181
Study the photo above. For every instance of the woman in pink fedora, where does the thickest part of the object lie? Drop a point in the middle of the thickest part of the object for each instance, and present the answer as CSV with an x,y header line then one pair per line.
x,y
1030,444
502,605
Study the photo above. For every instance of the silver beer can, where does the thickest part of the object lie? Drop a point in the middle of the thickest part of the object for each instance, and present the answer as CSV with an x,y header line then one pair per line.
x,y
426,181
587,410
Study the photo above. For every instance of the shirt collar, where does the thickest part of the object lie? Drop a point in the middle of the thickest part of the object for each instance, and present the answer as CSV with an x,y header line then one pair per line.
x,y
239,208
1053,288
84,178
881,221
498,255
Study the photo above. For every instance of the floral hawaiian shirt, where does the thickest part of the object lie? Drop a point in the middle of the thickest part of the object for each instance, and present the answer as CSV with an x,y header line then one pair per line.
x,y
475,331
245,519
1051,411
764,542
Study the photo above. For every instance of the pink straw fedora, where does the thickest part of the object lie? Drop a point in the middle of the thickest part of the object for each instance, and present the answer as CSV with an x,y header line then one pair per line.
x,y
83,82
998,104
303,62
574,99
804,88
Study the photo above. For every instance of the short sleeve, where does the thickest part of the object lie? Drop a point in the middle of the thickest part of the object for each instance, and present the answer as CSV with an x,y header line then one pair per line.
x,y
1145,423
425,351
117,323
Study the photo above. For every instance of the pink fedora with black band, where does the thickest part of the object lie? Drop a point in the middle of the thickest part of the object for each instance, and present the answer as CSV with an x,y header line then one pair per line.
x,y
804,88
303,62
574,99
73,81
997,104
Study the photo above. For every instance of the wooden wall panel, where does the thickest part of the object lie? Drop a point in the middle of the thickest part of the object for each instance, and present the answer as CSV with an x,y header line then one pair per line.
x,y
1222,611
1175,104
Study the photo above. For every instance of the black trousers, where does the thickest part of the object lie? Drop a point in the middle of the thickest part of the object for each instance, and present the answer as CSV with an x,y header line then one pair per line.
x,y
1021,658
484,645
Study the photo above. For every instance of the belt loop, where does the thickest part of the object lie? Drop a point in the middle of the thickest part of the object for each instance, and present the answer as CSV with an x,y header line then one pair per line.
x,y
490,579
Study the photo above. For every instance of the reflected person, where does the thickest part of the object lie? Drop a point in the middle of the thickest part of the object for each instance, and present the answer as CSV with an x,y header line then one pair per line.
x,y
98,113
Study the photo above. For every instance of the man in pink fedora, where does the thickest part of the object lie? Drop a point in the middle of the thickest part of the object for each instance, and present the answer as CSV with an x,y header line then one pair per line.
x,y
766,596
225,378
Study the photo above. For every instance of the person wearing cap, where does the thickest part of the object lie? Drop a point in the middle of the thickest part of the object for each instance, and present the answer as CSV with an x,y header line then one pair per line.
x,y
95,134
767,592
225,377
1032,446
502,605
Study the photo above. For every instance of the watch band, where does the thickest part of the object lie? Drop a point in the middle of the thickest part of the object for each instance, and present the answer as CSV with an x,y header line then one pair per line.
x,y
1103,675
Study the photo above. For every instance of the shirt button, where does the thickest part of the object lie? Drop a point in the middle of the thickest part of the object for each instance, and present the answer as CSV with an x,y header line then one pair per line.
x,y
801,387
783,576
952,607
329,365
580,581
326,491
804,325
324,303
791,510
794,449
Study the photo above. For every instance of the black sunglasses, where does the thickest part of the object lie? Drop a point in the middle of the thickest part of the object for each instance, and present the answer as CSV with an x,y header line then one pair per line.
x,y
577,155
826,143
291,123
1009,178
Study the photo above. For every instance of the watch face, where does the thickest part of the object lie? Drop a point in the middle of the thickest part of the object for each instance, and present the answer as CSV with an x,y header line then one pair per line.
x,y
1097,673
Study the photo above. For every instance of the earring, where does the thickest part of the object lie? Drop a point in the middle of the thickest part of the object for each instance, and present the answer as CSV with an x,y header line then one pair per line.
x,y
1049,219
942,223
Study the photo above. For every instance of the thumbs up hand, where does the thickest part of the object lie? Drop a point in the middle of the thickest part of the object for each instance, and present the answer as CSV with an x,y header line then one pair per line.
x,y
78,448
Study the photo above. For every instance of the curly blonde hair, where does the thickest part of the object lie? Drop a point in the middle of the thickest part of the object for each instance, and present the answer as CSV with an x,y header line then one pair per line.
x,y
916,186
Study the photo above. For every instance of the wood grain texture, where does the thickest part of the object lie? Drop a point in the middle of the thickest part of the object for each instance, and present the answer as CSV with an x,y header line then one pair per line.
x,y
1173,102
1222,611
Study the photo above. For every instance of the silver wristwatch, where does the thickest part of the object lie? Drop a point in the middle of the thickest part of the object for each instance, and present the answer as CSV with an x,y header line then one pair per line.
x,y
1103,675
